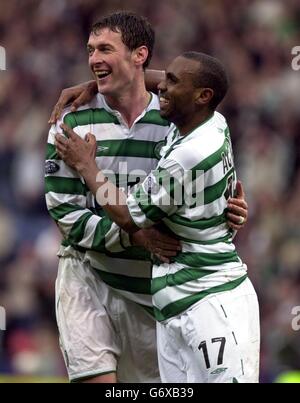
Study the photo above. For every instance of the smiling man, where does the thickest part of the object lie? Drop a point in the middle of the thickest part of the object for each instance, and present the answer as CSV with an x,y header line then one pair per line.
x,y
105,316
205,305
106,337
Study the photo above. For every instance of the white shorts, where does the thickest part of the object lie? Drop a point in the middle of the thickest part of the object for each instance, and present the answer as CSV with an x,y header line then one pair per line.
x,y
100,331
215,341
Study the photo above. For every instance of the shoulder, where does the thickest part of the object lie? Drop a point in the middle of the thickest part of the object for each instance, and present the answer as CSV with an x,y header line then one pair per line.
x,y
206,141
69,117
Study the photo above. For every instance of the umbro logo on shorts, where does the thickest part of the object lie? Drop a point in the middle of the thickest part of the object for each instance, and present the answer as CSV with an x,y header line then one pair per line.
x,y
218,371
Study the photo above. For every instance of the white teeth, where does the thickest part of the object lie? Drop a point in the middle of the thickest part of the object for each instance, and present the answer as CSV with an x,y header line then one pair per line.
x,y
163,100
102,74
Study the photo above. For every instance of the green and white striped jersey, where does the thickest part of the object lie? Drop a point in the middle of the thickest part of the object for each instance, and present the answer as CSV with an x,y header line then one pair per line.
x,y
125,155
188,192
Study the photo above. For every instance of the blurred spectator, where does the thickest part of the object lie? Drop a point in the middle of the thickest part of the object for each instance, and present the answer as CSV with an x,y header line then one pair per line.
x,y
45,44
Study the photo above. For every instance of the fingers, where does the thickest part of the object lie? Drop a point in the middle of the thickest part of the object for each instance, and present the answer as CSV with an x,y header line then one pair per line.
x,y
162,258
165,252
60,140
235,227
166,239
238,210
70,133
61,145
83,99
90,138
165,246
56,113
240,194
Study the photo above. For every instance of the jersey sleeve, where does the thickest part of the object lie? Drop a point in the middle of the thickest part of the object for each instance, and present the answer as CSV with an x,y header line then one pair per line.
x,y
66,199
159,196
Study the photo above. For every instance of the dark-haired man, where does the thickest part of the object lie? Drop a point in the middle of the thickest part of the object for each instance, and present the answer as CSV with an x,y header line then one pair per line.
x,y
205,305
106,330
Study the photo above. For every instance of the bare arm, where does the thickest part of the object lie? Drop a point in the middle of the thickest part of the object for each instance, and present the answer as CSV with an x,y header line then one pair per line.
x,y
83,93
153,78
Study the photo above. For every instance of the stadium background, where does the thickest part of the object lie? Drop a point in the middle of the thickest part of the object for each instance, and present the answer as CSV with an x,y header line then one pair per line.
x,y
45,45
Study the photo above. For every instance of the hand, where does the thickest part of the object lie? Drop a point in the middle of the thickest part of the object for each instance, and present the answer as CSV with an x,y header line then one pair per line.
x,y
160,244
79,95
237,209
76,152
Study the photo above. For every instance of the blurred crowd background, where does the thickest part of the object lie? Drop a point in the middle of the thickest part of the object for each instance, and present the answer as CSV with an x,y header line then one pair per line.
x,y
45,41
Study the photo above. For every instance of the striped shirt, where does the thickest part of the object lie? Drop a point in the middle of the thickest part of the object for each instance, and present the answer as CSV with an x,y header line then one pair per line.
x,y
188,191
125,155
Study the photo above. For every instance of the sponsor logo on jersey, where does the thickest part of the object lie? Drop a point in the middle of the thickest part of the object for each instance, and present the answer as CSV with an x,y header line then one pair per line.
x,y
51,167
101,148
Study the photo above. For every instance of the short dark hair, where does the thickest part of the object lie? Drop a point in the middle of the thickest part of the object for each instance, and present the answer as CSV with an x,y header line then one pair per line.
x,y
135,30
212,74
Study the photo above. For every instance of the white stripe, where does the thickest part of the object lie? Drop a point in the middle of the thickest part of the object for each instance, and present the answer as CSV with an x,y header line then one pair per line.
x,y
127,165
125,267
112,239
64,171
137,214
89,232
220,247
54,200
196,234
66,223
171,294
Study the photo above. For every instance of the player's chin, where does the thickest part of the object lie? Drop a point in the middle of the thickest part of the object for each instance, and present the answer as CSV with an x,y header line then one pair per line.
x,y
164,113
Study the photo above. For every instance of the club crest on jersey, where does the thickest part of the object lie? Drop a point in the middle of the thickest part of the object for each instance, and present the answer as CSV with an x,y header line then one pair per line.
x,y
51,167
150,185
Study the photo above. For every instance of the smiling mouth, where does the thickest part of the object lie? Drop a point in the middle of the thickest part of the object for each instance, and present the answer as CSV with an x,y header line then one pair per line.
x,y
102,74
163,102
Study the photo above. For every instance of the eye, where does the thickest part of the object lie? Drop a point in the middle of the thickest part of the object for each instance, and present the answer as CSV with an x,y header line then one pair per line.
x,y
171,78
90,51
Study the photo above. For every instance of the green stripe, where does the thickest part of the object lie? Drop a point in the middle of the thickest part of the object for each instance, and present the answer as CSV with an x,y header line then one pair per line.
x,y
51,153
208,162
177,307
101,230
178,278
66,243
127,148
202,224
70,186
62,210
225,239
171,185
95,116
153,117
77,232
125,283
153,213
89,117
215,191
213,159
131,253
191,259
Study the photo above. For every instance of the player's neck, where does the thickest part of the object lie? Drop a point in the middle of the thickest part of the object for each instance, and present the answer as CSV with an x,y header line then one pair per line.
x,y
191,123
131,103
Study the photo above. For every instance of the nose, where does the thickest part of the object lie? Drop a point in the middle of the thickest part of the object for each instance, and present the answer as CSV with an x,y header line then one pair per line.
x,y
96,58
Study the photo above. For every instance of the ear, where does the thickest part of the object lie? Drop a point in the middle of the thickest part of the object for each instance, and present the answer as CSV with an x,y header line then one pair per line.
x,y
140,55
203,96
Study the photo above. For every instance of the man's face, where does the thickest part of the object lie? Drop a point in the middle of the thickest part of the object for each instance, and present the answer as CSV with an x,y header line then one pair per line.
x,y
111,62
177,101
